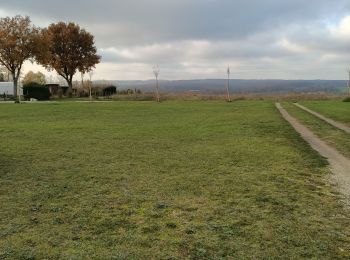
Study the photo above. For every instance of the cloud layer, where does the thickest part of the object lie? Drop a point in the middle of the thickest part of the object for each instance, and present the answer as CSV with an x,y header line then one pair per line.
x,y
199,38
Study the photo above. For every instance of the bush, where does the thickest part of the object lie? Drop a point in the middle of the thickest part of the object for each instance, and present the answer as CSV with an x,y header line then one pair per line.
x,y
347,99
37,91
109,91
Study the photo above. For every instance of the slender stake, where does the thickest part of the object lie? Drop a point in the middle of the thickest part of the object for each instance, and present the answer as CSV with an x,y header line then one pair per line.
x,y
228,84
156,74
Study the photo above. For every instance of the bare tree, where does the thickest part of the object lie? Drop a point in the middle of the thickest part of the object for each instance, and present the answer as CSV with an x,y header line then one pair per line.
x,y
156,71
228,84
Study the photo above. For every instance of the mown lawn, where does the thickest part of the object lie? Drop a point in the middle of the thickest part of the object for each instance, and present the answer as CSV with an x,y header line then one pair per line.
x,y
336,110
138,180
332,135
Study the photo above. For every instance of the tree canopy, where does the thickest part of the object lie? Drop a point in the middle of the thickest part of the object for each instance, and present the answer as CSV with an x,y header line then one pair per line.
x,y
32,77
18,43
69,49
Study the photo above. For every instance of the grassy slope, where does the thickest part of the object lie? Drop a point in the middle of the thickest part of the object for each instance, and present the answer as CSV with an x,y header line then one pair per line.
x,y
178,179
336,110
332,135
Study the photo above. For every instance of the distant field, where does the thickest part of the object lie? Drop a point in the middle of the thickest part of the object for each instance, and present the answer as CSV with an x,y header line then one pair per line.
x,y
335,110
136,180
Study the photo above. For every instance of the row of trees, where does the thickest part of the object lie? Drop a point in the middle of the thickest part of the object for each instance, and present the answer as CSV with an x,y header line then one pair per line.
x,y
63,47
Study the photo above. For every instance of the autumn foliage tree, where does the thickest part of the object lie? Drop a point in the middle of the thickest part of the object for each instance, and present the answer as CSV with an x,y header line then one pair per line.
x,y
18,43
69,49
32,77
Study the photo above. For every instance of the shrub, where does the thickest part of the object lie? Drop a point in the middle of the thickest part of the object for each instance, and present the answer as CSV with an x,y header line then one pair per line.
x,y
109,91
35,90
347,99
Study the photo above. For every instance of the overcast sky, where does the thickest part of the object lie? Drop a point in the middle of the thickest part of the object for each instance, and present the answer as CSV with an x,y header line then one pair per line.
x,y
191,39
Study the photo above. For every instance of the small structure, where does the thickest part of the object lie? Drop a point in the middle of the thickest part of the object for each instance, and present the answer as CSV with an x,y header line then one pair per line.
x,y
56,89
6,88
53,88
109,91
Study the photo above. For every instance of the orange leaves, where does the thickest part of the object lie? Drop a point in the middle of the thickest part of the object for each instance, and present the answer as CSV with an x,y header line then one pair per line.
x,y
70,49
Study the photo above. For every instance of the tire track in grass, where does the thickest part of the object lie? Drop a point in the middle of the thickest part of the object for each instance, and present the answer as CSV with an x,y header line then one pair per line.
x,y
340,165
328,120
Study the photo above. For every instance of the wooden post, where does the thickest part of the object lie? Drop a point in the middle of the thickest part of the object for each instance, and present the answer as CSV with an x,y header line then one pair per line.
x,y
228,84
156,74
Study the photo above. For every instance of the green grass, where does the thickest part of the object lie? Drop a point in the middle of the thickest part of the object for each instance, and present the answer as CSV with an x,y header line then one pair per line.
x,y
136,180
332,135
336,110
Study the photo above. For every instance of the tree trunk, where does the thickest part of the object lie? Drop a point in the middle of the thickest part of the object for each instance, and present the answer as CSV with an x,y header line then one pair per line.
x,y
70,88
15,86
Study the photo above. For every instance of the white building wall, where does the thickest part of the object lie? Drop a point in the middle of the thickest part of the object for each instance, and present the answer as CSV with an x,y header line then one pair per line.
x,y
7,88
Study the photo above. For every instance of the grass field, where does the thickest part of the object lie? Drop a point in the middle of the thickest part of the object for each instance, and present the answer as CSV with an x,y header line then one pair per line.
x,y
136,180
334,110
339,111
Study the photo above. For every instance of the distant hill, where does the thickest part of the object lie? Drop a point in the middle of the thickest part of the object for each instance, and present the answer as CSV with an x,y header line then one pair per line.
x,y
216,86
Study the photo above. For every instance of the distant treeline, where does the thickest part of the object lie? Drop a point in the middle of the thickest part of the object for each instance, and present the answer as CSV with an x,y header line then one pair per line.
x,y
217,86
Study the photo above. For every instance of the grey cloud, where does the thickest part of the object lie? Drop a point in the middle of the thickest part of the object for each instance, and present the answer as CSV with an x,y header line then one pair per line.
x,y
254,35
139,21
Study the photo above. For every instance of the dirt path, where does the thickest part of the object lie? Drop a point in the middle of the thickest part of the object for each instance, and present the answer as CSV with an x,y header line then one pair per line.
x,y
340,165
329,121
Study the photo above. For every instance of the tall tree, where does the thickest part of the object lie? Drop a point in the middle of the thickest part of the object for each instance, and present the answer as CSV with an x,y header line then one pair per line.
x,y
18,43
70,49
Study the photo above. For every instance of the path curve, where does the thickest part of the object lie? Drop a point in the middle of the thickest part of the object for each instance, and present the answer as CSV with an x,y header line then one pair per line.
x,y
340,165
328,120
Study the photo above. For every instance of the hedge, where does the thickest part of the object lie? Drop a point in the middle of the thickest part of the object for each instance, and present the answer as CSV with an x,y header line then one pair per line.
x,y
37,91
